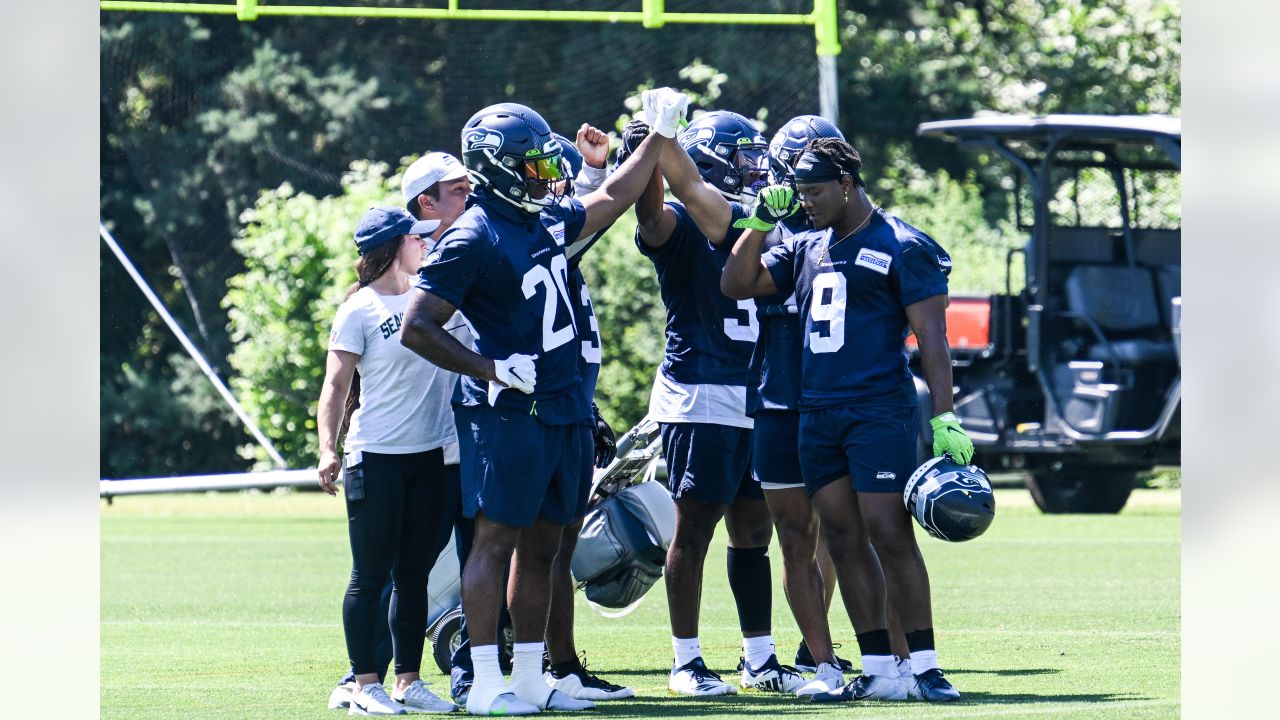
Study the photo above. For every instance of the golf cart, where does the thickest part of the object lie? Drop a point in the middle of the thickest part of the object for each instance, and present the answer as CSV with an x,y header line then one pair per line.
x,y
1073,374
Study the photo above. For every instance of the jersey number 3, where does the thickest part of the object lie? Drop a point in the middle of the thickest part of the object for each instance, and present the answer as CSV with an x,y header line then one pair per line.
x,y
555,286
740,331
830,292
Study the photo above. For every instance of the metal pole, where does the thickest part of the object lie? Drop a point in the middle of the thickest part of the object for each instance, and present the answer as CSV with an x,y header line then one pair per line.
x,y
826,27
189,346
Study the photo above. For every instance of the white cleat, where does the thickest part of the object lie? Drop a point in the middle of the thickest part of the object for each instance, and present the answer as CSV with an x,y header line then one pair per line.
x,y
866,687
582,684
340,698
504,704
693,678
372,699
772,677
417,698
828,679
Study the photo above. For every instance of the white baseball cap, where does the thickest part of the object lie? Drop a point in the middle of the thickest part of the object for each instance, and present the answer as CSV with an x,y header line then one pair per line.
x,y
428,170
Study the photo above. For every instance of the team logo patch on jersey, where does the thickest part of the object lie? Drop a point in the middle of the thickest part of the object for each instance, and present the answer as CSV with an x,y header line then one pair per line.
x,y
885,475
557,233
873,260
482,140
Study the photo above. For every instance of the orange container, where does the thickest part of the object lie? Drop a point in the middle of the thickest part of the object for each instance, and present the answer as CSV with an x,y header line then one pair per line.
x,y
968,324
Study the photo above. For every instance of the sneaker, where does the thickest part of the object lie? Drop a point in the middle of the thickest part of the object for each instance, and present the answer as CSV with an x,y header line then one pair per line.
x,y
504,704
806,663
867,687
693,678
372,699
930,685
829,679
772,676
341,696
460,685
417,698
582,684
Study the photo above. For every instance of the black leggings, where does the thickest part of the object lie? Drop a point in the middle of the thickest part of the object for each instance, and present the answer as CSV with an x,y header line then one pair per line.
x,y
397,529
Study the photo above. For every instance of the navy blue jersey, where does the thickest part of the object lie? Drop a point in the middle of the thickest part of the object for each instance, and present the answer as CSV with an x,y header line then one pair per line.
x,y
588,334
773,376
853,294
709,336
505,269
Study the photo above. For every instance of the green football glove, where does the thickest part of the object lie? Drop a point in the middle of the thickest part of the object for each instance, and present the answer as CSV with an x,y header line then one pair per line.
x,y
774,203
949,437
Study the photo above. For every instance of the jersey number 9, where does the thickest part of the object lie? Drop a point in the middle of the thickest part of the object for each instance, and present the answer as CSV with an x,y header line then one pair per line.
x,y
829,294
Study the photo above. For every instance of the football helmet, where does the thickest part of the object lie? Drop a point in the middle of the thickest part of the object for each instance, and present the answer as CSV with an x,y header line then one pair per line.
x,y
511,150
953,502
789,142
730,153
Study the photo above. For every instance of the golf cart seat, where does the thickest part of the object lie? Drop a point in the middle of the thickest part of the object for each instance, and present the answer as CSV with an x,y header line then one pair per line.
x,y
1119,304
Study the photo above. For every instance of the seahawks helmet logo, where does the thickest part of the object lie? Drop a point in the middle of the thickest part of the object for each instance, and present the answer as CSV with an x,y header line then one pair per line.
x,y
482,139
699,136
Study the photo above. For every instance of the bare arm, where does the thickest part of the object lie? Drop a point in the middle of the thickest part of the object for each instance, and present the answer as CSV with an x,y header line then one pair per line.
x,y
624,186
654,219
708,208
928,320
745,275
423,333
340,367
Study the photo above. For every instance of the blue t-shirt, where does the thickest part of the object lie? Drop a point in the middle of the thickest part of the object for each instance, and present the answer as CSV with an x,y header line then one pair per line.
x,y
505,269
588,333
773,376
709,336
852,296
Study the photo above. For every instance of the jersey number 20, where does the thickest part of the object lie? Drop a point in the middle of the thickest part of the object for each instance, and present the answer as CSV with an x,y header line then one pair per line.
x,y
555,286
829,295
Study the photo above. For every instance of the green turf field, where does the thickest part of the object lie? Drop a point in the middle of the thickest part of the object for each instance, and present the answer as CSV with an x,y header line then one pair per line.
x,y
228,606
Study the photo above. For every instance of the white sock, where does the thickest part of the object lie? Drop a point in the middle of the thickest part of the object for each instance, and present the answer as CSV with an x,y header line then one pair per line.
x,y
904,667
882,665
923,660
488,683
526,674
757,650
686,650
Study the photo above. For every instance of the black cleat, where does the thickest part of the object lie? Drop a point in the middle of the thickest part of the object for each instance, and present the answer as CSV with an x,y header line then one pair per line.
x,y
931,686
806,663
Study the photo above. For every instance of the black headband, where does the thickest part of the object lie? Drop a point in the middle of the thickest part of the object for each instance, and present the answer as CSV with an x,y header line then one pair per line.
x,y
812,168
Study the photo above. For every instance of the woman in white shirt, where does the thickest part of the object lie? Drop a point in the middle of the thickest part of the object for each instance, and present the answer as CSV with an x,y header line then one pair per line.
x,y
400,500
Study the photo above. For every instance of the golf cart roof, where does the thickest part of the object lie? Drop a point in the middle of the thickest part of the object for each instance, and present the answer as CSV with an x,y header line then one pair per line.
x,y
1030,135
1031,126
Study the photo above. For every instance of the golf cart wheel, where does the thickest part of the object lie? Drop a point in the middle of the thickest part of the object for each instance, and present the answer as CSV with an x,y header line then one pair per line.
x,y
1081,491
446,636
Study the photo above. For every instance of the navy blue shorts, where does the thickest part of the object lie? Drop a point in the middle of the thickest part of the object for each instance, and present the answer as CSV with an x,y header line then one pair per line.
x,y
875,445
709,462
516,469
775,457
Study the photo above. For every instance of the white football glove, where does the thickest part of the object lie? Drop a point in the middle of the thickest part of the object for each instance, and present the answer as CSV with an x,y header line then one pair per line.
x,y
662,109
517,372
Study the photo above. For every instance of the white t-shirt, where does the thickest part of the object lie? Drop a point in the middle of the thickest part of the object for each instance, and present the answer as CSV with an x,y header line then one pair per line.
x,y
675,402
404,400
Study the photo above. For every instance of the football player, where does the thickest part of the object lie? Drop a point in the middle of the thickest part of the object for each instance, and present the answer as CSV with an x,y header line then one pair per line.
x,y
699,395
862,278
526,448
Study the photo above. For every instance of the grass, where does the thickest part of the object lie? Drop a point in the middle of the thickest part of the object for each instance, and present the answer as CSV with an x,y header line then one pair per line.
x,y
228,606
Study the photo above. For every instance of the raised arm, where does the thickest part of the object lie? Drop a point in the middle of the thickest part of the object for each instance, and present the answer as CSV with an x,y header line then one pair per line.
x,y
745,274
707,207
664,107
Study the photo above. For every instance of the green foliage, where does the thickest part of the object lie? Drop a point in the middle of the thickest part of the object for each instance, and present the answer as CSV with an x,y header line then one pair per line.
x,y
952,213
299,258
624,292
